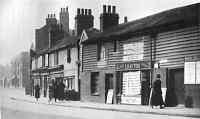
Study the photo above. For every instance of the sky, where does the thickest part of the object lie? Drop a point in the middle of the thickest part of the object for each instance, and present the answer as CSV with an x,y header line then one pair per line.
x,y
20,18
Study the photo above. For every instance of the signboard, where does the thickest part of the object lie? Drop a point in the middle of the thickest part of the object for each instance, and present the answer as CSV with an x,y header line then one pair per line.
x,y
198,72
109,96
131,87
133,65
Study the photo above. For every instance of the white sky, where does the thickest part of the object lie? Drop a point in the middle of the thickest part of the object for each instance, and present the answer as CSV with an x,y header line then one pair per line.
x,y
20,18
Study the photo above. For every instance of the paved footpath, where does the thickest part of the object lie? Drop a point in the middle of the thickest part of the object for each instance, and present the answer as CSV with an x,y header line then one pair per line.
x,y
172,111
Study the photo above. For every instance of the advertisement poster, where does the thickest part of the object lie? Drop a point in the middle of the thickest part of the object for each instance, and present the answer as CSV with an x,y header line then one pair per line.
x,y
131,88
190,72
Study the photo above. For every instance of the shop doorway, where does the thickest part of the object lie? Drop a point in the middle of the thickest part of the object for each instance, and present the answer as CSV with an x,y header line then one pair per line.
x,y
108,83
175,87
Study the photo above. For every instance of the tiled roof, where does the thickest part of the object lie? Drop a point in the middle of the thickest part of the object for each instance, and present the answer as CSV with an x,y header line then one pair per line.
x,y
67,41
182,14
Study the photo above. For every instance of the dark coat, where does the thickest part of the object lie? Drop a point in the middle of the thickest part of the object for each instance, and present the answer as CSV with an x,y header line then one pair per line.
x,y
37,91
156,98
56,90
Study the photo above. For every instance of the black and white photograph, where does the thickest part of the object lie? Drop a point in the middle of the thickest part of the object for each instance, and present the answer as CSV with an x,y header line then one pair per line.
x,y
99,59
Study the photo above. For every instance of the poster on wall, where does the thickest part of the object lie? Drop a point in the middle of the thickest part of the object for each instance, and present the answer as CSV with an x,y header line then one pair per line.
x,y
189,72
133,51
131,87
198,72
109,98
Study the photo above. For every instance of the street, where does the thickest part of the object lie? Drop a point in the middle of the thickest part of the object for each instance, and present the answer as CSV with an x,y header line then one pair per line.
x,y
18,109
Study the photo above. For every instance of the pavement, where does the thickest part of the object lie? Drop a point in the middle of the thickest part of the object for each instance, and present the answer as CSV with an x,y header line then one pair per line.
x,y
180,110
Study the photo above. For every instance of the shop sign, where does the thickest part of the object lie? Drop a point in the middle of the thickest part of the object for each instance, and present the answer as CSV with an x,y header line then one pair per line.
x,y
128,66
132,65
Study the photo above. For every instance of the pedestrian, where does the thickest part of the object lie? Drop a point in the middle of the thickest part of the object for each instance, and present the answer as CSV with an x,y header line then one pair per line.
x,y
62,90
156,98
37,92
55,88
51,92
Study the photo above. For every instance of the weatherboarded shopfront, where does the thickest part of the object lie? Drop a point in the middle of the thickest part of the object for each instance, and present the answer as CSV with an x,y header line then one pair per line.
x,y
162,42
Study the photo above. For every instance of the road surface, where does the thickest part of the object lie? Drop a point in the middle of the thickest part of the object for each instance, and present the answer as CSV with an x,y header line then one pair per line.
x,y
17,109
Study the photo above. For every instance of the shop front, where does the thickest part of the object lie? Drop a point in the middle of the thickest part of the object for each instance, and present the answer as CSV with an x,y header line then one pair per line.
x,y
133,82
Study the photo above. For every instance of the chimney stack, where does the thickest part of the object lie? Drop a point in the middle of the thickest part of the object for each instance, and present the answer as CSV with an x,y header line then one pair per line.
x,y
83,21
108,18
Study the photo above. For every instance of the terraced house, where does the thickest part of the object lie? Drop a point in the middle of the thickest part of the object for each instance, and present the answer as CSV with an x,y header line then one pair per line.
x,y
119,64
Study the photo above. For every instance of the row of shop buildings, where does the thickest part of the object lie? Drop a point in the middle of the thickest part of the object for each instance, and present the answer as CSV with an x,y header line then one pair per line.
x,y
119,62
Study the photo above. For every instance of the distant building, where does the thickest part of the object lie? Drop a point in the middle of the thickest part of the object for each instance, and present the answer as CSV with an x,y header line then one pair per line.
x,y
20,71
56,54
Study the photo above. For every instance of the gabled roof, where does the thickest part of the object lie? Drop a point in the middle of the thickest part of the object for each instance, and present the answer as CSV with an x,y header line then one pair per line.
x,y
186,14
88,33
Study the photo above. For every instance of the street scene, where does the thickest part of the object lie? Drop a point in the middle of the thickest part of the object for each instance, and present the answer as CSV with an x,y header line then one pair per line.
x,y
103,59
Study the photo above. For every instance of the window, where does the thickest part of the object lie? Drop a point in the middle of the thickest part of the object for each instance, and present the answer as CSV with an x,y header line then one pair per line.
x,y
43,60
115,45
46,60
68,55
101,52
94,83
56,58
69,83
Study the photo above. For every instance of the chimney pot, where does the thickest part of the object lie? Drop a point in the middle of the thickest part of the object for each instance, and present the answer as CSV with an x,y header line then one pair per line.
x,y
82,11
66,9
125,19
113,9
86,12
104,8
109,8
89,11
78,11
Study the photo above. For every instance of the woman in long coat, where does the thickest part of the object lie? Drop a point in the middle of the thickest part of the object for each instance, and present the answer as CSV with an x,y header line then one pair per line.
x,y
37,92
156,98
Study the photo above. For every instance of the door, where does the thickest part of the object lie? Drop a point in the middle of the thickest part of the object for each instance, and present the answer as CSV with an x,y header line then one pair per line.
x,y
108,83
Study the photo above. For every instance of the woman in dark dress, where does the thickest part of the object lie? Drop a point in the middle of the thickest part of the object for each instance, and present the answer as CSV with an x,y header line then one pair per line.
x,y
156,98
37,92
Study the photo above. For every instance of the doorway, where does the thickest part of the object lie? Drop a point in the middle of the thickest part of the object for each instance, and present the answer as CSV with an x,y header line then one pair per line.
x,y
108,83
175,87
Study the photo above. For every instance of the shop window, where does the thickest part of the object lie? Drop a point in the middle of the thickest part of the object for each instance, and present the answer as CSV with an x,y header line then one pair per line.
x,y
94,83
69,84
68,55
